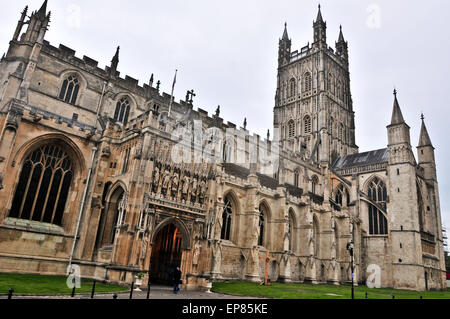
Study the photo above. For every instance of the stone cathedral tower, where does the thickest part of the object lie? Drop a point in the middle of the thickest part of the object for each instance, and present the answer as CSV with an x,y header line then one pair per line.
x,y
313,111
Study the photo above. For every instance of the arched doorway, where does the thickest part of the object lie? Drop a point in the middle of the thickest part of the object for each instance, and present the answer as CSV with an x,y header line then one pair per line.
x,y
166,254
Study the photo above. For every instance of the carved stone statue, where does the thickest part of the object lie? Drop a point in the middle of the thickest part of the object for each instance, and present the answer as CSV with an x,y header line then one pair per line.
x,y
196,253
166,180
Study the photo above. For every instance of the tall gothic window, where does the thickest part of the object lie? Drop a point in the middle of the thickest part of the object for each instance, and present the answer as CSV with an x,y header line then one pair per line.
x,y
227,216
292,84
307,124
291,230
308,82
122,111
70,89
377,220
341,132
262,224
43,186
291,128
296,177
420,206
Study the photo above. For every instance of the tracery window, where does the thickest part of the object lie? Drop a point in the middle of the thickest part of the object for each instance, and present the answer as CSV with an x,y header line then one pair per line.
x,y
70,89
377,220
227,216
43,185
291,128
307,124
292,84
122,111
308,82
341,132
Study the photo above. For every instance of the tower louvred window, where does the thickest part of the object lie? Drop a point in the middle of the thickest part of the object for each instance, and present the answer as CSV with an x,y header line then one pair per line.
x,y
291,127
307,124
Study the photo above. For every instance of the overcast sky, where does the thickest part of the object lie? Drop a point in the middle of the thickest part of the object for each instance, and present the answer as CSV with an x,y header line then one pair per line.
x,y
227,52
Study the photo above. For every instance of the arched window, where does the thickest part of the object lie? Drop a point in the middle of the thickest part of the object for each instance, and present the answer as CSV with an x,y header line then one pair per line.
x,y
227,216
307,124
43,185
70,89
296,177
339,90
314,182
262,224
291,230
292,85
341,193
122,111
308,82
377,220
420,206
291,127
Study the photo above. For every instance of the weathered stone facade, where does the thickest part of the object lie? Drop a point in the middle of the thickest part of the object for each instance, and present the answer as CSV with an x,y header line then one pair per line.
x,y
90,175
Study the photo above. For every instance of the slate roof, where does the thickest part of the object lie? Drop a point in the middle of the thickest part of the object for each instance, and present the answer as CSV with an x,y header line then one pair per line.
x,y
361,159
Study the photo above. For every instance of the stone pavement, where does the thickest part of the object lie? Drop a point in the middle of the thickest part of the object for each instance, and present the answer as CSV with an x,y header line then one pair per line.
x,y
156,292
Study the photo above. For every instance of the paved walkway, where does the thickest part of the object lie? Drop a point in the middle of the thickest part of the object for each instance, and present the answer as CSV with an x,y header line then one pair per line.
x,y
156,292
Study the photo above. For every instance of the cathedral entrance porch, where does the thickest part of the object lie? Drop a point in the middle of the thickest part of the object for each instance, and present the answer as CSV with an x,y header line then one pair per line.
x,y
166,254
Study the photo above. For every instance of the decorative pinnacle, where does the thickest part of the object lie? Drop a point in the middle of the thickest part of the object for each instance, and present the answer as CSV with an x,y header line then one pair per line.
x,y
395,92
422,117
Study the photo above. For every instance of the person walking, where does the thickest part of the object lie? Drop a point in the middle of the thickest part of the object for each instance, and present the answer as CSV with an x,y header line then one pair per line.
x,y
176,279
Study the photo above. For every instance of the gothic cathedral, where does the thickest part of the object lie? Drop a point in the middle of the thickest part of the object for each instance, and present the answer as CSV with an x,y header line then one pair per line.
x,y
119,179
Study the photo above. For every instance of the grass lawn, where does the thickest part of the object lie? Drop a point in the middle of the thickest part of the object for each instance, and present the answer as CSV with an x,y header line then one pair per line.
x,y
49,285
307,291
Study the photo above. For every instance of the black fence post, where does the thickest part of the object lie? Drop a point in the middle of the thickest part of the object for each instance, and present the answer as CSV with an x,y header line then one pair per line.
x,y
393,296
131,291
148,288
115,296
367,296
73,290
10,293
93,289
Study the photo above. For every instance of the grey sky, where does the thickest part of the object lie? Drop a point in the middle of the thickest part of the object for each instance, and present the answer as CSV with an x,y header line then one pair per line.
x,y
227,52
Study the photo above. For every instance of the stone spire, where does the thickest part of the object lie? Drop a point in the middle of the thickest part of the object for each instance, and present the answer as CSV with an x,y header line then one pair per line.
x,y
341,35
397,116
424,139
285,36
43,10
319,16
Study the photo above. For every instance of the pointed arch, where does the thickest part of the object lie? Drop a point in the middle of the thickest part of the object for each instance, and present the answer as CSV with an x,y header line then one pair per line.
x,y
377,194
264,217
229,213
180,225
